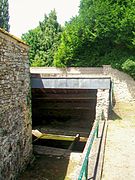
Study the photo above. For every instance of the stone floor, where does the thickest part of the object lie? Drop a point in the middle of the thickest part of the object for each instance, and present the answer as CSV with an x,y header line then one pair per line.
x,y
119,161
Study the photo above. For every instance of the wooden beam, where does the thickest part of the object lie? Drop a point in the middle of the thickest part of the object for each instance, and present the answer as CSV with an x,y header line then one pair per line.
x,y
54,92
78,101
65,104
64,98
40,135
45,108
47,129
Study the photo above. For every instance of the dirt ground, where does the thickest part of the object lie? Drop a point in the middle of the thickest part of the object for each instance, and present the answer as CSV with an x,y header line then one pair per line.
x,y
119,161
46,168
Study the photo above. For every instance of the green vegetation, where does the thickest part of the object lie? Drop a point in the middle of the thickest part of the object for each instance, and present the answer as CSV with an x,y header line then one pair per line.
x,y
4,15
44,41
102,33
129,67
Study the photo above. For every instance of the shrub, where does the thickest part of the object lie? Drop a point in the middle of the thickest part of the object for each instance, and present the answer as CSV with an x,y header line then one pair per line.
x,y
129,67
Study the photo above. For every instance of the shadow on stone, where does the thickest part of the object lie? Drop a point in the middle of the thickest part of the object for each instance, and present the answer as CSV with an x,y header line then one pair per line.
x,y
114,116
46,167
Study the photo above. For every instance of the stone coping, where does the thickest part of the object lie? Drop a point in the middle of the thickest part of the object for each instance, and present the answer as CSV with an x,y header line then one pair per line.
x,y
66,69
18,40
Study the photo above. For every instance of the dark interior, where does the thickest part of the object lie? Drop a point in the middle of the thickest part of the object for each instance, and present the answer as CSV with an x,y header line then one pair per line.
x,y
63,111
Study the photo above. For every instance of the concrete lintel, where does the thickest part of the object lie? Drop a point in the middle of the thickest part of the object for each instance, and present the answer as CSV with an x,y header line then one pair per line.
x,y
71,83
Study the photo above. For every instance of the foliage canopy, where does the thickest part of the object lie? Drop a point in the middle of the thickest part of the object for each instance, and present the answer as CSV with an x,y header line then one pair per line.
x,y
102,33
4,14
44,41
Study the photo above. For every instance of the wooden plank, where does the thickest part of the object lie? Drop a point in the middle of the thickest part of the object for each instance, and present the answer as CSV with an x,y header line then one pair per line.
x,y
66,108
55,93
63,131
45,104
34,100
40,135
65,104
70,91
65,97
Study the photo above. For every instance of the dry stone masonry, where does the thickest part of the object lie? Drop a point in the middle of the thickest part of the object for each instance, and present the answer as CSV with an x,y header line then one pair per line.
x,y
102,106
15,107
123,86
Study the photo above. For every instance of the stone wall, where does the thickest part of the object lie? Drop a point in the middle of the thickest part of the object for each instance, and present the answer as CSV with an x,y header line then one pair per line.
x,y
102,105
123,85
15,107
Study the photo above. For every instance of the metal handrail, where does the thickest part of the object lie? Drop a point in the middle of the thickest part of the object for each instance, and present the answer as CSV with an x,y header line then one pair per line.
x,y
84,168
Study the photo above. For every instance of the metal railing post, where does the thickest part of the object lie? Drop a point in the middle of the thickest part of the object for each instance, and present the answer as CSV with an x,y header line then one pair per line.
x,y
97,131
84,168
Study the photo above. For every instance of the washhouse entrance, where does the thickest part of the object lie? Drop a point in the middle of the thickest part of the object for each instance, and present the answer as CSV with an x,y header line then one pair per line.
x,y
66,112
64,109
63,113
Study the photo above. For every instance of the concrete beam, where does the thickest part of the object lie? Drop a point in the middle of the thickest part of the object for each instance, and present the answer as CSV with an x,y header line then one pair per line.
x,y
71,83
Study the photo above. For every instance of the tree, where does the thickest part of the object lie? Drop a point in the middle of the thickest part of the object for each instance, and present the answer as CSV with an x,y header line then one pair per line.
x,y
44,41
71,39
103,33
4,14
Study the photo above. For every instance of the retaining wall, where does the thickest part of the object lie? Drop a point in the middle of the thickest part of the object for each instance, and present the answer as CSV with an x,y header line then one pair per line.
x,y
122,84
15,107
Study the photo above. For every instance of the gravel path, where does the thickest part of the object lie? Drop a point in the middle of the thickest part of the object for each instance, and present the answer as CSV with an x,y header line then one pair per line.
x,y
119,161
